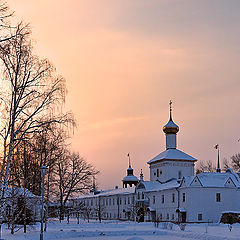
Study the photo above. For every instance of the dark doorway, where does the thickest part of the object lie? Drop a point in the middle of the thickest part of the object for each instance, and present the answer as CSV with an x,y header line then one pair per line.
x,y
153,216
184,217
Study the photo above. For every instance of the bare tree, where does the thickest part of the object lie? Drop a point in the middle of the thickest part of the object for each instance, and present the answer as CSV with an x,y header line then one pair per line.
x,y
99,209
72,175
235,161
205,167
33,90
226,164
87,212
78,210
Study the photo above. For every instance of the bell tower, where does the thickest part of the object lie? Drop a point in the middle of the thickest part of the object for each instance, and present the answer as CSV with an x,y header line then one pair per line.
x,y
171,163
130,179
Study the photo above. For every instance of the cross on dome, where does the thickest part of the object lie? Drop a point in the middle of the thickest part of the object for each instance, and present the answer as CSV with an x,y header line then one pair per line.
x,y
170,127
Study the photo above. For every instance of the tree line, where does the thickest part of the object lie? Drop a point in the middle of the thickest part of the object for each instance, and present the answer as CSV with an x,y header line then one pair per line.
x,y
207,166
34,129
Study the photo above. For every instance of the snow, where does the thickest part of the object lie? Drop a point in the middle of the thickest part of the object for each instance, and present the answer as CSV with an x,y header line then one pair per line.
x,y
213,179
130,178
172,154
157,186
109,192
117,230
19,192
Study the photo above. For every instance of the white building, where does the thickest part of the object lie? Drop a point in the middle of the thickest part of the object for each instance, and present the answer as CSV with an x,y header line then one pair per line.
x,y
15,197
173,193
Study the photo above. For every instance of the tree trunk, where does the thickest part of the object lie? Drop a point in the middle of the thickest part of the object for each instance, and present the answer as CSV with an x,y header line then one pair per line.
x,y
12,219
47,201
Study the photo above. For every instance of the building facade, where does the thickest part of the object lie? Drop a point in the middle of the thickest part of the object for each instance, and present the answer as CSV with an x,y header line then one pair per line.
x,y
173,192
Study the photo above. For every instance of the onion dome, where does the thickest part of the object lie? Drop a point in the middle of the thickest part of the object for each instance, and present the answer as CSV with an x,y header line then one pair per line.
x,y
170,127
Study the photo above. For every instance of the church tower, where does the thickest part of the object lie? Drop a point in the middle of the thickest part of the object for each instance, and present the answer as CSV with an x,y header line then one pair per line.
x,y
171,129
171,163
130,179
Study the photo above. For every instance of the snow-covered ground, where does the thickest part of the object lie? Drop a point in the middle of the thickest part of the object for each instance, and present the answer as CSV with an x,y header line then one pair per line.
x,y
117,230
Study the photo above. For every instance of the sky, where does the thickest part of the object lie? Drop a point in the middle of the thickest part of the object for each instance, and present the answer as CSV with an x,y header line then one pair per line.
x,y
124,60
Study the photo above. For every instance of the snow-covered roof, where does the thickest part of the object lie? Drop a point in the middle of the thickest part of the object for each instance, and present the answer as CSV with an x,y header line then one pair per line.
x,y
151,186
181,210
19,192
172,154
213,179
130,178
119,191
151,209
236,212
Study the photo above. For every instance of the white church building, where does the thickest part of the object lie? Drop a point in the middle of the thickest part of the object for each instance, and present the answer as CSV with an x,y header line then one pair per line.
x,y
173,192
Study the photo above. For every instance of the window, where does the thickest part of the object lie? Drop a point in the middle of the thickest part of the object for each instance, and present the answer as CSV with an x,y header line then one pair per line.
x,y
173,197
91,202
110,202
142,195
125,201
113,202
199,217
154,199
128,200
172,216
106,201
184,197
162,198
160,216
167,216
138,195
157,172
120,201
179,174
161,172
218,197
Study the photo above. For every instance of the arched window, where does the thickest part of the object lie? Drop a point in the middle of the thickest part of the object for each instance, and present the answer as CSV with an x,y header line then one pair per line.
x,y
142,195
138,195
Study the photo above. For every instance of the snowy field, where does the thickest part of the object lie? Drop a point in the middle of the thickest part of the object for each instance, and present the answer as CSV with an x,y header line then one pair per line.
x,y
124,231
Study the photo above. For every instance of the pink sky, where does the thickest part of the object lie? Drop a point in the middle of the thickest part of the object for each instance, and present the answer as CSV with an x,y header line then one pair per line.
x,y
123,62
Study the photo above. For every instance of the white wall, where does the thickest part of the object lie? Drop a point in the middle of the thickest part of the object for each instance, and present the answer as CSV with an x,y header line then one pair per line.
x,y
170,169
200,200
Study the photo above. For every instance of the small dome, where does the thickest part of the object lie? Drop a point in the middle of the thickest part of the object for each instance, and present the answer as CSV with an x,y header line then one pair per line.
x,y
130,179
170,127
130,168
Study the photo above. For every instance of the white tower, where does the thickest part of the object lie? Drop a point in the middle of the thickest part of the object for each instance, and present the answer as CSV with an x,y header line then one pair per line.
x,y
172,163
171,130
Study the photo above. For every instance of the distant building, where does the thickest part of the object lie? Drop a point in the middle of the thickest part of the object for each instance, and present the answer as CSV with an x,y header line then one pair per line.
x,y
173,193
15,197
